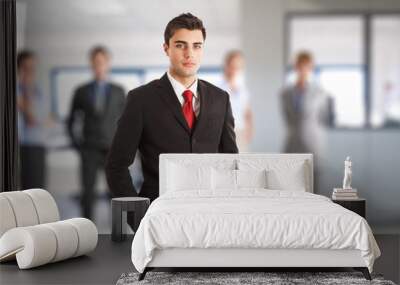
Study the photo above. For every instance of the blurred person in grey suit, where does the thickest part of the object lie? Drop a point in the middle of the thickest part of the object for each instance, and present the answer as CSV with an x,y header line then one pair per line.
x,y
95,109
307,110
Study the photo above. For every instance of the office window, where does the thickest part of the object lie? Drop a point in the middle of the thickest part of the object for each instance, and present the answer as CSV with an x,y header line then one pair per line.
x,y
385,71
151,74
336,43
346,86
333,40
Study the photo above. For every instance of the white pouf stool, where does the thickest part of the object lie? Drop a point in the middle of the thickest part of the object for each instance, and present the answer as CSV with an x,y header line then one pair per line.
x,y
31,233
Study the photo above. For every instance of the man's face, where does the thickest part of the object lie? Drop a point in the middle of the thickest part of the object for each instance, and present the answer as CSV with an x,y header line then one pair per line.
x,y
304,69
185,51
100,65
27,70
234,66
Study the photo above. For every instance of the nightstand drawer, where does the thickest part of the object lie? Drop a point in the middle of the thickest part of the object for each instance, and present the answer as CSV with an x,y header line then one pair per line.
x,y
357,206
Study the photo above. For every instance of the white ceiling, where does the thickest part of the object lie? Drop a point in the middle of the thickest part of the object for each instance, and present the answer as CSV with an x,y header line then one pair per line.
x,y
48,16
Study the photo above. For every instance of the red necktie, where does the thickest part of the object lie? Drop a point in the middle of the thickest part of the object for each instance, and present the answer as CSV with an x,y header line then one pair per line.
x,y
188,108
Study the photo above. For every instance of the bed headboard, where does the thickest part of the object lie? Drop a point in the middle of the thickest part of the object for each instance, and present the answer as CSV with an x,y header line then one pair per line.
x,y
215,157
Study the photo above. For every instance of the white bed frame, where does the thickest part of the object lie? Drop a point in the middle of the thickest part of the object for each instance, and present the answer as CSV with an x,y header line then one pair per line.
x,y
246,258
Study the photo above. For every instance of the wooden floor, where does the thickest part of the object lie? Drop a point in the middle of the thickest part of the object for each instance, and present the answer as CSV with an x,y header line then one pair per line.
x,y
106,264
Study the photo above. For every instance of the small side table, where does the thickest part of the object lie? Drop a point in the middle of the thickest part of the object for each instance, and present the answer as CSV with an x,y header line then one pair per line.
x,y
358,206
119,208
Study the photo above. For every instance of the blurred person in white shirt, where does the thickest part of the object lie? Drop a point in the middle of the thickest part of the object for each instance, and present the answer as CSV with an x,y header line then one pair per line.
x,y
34,119
234,83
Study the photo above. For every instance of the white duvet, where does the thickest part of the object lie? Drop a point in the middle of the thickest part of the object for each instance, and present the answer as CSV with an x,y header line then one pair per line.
x,y
251,218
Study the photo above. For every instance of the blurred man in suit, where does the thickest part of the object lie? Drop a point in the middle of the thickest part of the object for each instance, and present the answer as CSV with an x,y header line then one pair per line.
x,y
307,110
95,109
177,113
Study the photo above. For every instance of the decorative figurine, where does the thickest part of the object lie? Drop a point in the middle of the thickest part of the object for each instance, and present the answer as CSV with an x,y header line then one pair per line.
x,y
347,174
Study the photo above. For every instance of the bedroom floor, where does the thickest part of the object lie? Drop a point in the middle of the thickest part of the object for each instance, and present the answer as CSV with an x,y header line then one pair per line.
x,y
106,264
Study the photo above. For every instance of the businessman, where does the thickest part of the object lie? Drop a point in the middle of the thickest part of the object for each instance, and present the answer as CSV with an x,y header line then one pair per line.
x,y
177,113
97,105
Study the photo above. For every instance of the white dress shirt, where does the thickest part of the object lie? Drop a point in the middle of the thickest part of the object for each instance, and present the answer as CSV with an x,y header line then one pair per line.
x,y
179,89
240,100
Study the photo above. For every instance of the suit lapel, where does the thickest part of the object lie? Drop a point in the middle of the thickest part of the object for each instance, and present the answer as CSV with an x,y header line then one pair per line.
x,y
168,95
108,98
204,106
91,96
291,103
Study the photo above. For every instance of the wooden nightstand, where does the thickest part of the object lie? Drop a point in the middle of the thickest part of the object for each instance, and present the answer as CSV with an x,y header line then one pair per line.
x,y
357,206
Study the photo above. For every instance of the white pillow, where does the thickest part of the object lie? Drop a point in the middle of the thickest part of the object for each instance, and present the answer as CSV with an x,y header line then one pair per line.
x,y
236,179
290,179
251,178
223,179
282,174
181,177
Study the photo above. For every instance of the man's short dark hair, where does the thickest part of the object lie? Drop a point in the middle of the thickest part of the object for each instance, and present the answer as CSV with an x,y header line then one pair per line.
x,y
99,49
183,21
24,55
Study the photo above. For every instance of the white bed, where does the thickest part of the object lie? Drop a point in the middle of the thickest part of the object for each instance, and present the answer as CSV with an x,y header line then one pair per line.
x,y
221,226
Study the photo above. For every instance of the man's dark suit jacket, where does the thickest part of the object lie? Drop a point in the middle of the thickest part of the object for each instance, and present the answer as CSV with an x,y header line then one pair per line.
x,y
153,122
98,127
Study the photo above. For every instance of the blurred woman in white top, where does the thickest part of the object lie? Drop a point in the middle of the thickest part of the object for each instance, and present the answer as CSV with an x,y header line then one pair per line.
x,y
234,84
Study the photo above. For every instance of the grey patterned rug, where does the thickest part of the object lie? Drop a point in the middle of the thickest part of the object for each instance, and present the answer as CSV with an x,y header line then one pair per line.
x,y
229,278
